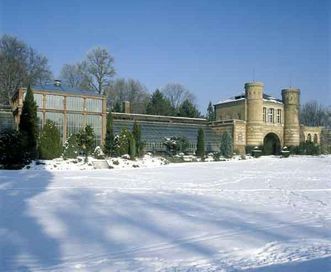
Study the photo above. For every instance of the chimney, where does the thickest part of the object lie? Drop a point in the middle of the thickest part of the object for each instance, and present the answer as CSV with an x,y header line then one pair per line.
x,y
126,107
57,83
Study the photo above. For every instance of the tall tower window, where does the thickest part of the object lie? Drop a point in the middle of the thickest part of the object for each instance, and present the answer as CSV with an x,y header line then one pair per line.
x,y
279,116
270,115
264,115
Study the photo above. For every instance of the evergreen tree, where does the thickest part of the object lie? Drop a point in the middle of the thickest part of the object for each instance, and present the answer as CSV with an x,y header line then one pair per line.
x,y
122,142
86,141
108,148
70,148
117,107
201,143
136,133
28,126
187,109
226,145
159,105
210,112
50,146
132,147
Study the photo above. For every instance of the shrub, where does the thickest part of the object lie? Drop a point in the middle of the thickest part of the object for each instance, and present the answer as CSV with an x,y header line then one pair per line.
x,y
124,144
108,148
86,141
226,148
175,145
136,133
11,152
70,148
201,144
98,153
49,142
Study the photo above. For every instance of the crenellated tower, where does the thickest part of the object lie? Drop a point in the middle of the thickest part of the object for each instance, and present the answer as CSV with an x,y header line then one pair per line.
x,y
291,100
254,98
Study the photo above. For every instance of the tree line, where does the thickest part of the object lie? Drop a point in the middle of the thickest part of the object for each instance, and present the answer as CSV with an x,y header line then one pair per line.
x,y
21,65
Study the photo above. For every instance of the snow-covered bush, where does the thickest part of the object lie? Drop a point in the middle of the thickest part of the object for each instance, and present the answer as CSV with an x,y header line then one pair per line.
x,y
49,146
98,153
70,148
175,145
124,144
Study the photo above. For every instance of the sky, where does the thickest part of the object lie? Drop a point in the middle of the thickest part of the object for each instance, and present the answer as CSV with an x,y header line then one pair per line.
x,y
211,47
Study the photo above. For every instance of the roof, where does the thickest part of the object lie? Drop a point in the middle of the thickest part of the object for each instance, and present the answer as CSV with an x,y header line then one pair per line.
x,y
242,96
61,89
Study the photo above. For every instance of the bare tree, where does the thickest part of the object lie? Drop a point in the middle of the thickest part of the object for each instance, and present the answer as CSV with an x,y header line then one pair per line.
x,y
128,90
93,73
177,94
74,76
314,114
98,68
20,65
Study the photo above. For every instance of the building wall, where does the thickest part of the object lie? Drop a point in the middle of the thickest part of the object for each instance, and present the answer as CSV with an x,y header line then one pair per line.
x,y
69,112
231,110
6,118
310,134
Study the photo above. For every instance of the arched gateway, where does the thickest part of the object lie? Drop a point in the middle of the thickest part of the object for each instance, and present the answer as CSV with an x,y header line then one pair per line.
x,y
271,144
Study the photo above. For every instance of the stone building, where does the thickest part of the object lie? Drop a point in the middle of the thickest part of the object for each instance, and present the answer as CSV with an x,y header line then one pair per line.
x,y
253,118
258,119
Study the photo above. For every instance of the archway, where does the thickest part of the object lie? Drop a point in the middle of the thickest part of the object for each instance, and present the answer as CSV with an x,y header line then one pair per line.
x,y
271,144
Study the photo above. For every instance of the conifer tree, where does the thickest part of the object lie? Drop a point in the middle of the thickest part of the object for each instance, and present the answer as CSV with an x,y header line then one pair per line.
x,y
28,126
201,143
70,148
159,105
108,148
50,146
136,133
188,109
210,112
86,140
226,145
132,147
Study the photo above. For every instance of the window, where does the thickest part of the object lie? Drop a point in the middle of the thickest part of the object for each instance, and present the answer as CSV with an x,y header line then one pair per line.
x,y
270,115
93,105
309,137
75,103
95,121
279,116
75,122
264,115
54,102
39,100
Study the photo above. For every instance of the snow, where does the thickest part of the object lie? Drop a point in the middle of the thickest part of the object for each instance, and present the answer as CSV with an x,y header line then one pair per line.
x,y
265,214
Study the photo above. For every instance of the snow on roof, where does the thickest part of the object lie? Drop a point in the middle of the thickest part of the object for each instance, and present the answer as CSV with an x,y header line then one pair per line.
x,y
242,96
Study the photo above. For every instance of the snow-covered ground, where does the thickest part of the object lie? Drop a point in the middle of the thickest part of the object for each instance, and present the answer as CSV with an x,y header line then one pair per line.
x,y
266,214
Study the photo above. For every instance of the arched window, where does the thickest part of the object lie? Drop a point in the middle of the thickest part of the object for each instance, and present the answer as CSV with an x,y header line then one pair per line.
x,y
315,138
309,137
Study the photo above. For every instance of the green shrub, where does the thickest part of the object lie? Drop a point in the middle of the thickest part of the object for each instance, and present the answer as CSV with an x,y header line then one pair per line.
x,y
201,144
50,146
86,141
122,143
226,148
11,151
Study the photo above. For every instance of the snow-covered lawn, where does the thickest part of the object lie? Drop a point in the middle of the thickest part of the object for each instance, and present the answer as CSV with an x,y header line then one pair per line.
x,y
266,214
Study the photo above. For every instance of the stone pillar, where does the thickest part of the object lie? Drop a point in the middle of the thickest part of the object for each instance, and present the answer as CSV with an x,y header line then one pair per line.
x,y
126,107
254,99
291,100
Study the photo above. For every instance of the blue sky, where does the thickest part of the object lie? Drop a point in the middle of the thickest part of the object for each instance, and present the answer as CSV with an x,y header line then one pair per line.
x,y
211,47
